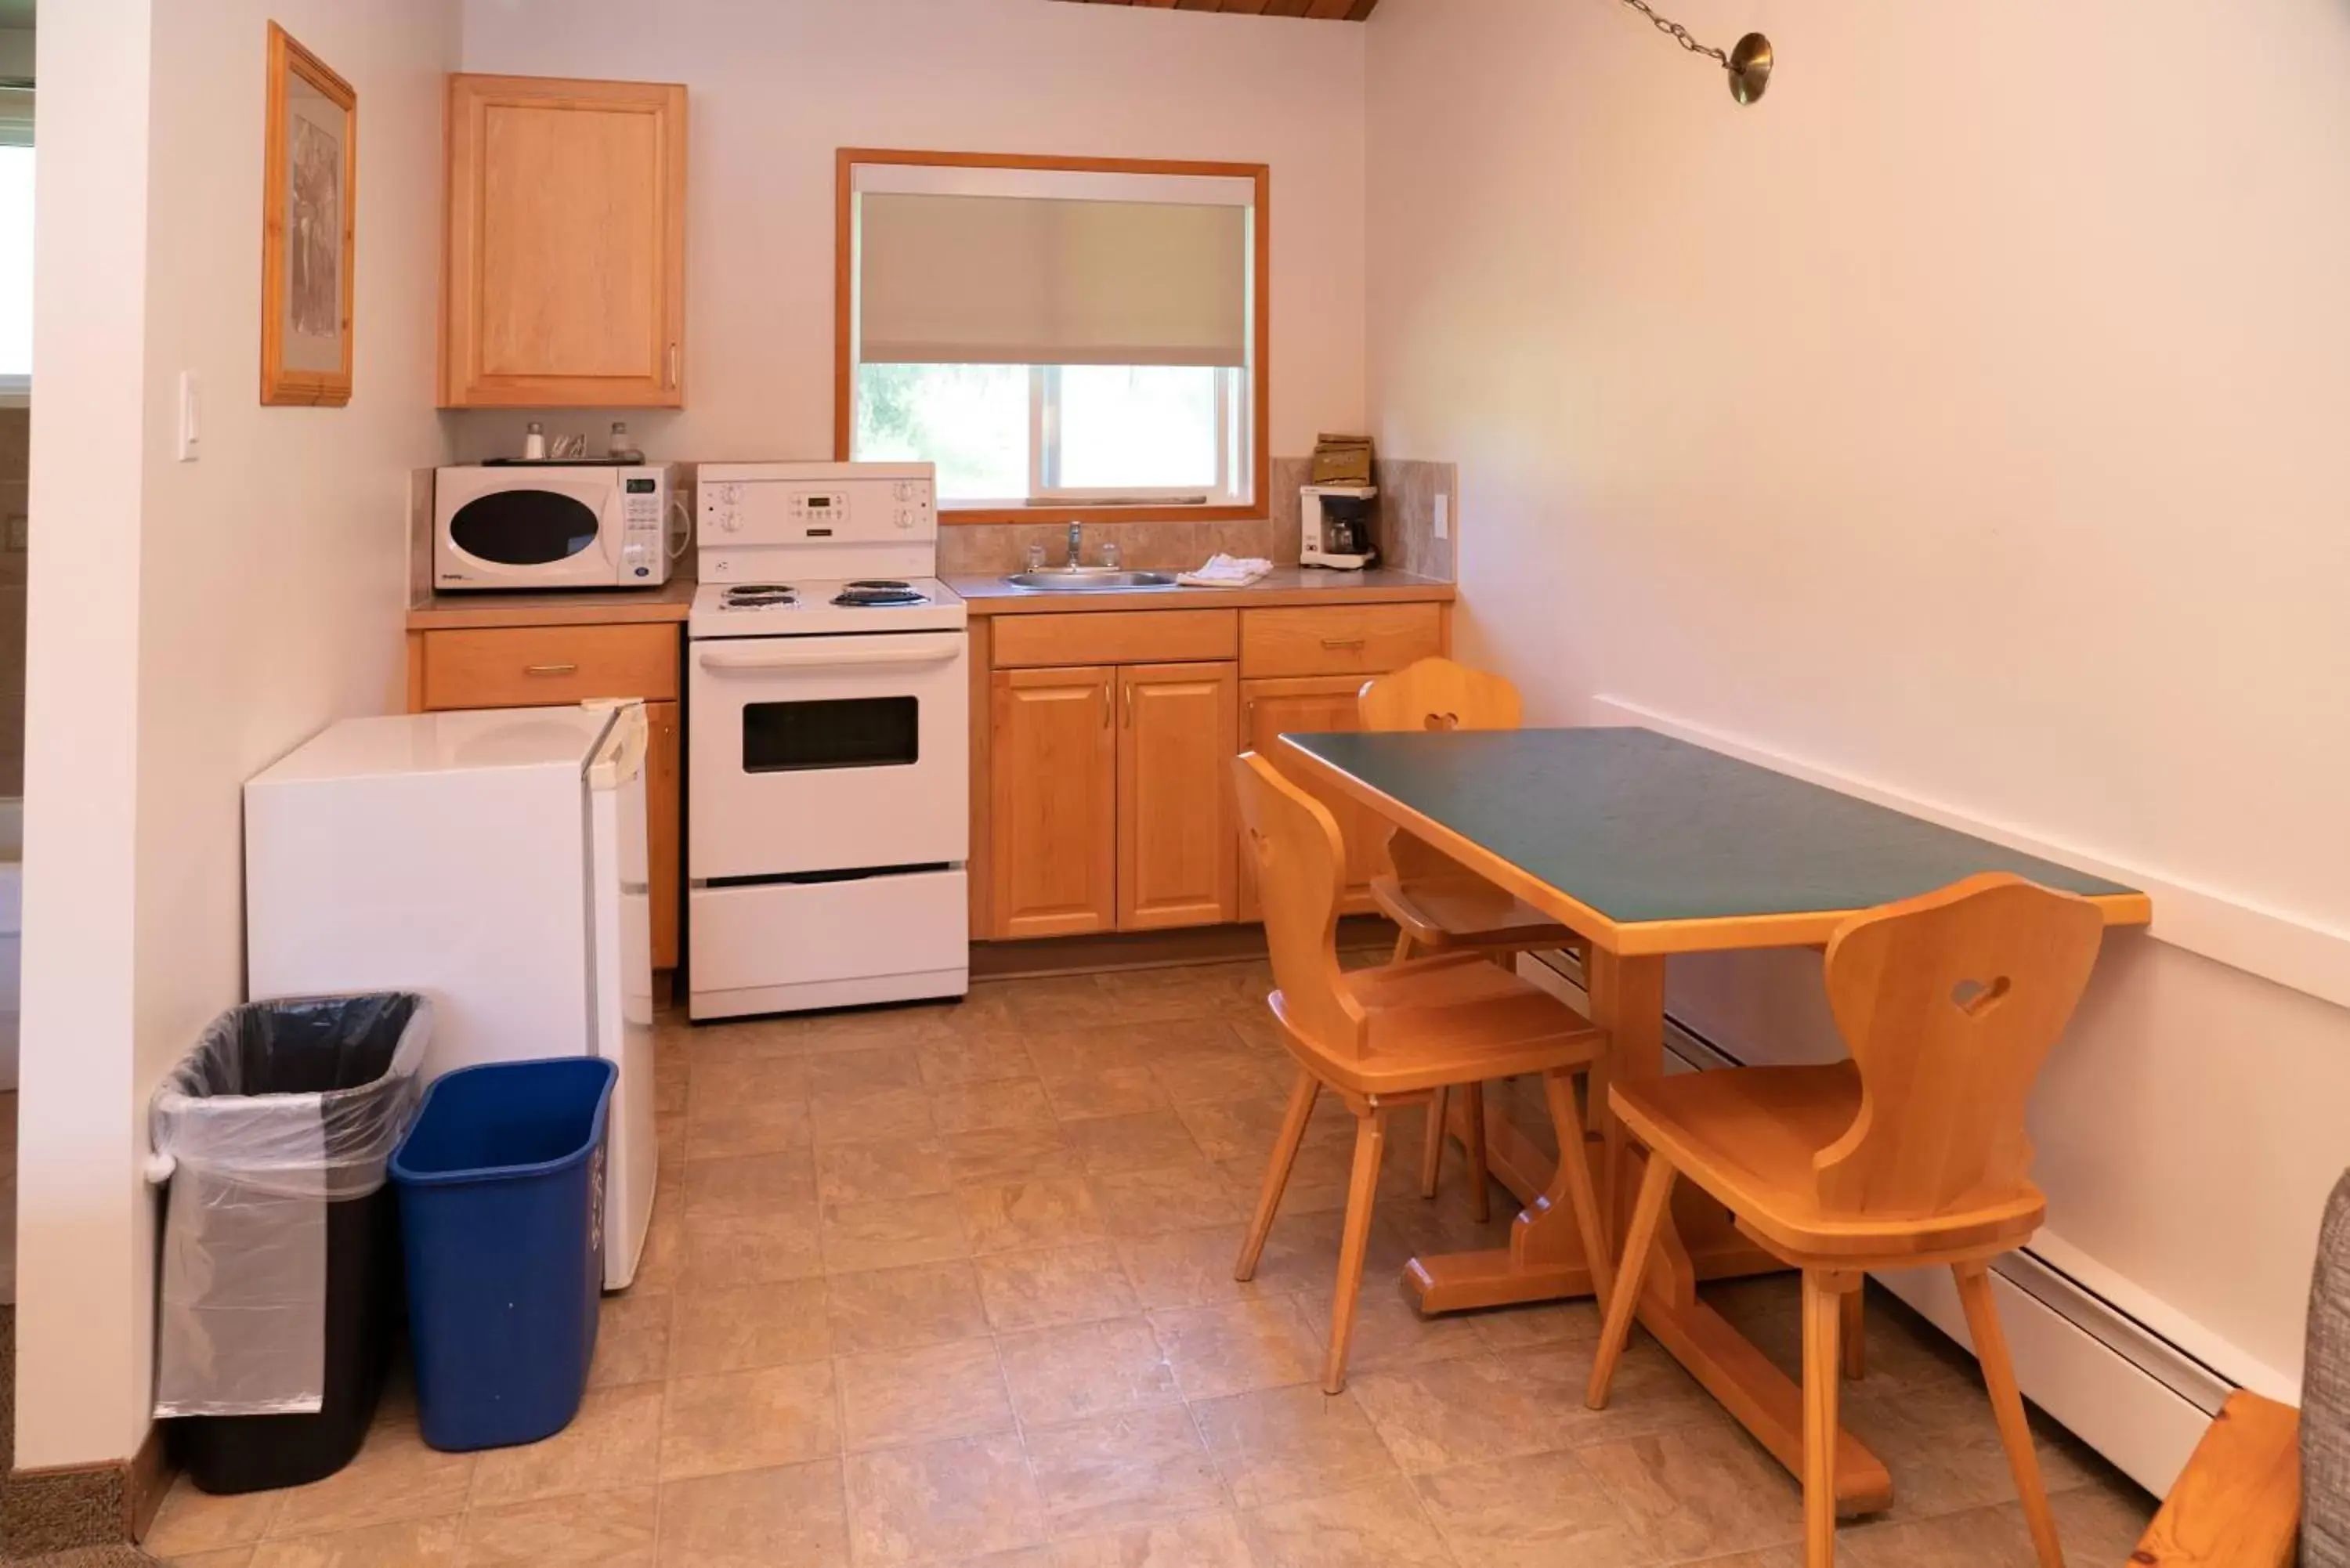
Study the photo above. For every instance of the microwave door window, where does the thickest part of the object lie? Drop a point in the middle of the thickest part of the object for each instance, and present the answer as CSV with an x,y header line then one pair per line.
x,y
850,732
523,527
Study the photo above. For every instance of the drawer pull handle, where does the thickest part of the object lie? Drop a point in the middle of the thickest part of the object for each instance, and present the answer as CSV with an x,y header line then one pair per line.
x,y
1335,643
551,670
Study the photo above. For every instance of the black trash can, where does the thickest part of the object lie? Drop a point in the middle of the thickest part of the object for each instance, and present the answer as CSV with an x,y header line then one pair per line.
x,y
280,1279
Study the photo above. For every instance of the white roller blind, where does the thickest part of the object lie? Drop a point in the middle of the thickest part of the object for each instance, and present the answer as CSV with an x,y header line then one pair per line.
x,y
1017,280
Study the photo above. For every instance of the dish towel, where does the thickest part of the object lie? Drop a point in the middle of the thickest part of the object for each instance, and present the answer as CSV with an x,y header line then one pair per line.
x,y
1226,572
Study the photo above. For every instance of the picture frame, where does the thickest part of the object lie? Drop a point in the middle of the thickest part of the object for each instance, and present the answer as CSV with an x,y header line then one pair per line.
x,y
309,225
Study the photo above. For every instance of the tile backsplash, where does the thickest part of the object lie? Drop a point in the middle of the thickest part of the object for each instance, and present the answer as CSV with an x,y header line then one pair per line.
x,y
1405,529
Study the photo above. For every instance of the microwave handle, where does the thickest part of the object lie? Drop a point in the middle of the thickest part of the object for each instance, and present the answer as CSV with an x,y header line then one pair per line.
x,y
784,655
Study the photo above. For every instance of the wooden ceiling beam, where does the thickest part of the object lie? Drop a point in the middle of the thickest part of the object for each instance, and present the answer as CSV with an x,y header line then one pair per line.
x,y
1317,10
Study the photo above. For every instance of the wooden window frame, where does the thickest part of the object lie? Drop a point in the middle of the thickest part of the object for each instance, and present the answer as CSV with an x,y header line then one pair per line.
x,y
844,405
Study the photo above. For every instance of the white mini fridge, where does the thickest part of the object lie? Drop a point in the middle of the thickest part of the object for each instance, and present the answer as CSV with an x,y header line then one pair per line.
x,y
494,861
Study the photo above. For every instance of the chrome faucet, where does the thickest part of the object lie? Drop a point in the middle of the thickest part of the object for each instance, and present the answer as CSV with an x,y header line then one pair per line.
x,y
1076,540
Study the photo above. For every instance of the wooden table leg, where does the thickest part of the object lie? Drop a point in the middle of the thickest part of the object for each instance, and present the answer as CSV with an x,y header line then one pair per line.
x,y
1545,1259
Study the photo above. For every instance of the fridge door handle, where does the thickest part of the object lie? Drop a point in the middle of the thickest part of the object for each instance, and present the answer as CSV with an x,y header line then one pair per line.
x,y
622,755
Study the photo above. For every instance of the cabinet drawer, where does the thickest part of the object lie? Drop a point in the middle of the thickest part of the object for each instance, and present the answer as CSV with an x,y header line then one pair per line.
x,y
1116,636
534,666
1350,639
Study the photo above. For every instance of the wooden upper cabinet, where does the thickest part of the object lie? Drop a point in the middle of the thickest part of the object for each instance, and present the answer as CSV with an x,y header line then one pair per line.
x,y
1177,733
1054,755
565,280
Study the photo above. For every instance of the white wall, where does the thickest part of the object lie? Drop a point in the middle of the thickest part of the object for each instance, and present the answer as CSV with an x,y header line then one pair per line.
x,y
779,85
1964,418
190,622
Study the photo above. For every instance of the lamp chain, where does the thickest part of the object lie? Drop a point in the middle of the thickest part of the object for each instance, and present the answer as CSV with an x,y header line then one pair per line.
x,y
1678,34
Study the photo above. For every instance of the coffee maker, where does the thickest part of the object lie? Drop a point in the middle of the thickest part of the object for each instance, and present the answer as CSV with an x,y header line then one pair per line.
x,y
1338,526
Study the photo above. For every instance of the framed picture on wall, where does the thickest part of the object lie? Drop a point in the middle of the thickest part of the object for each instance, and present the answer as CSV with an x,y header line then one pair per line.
x,y
308,225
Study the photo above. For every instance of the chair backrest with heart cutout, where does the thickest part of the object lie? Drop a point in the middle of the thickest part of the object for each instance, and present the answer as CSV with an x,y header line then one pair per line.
x,y
1950,1003
1293,843
1437,694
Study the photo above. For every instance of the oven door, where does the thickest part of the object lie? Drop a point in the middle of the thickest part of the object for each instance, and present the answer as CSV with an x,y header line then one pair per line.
x,y
829,754
544,533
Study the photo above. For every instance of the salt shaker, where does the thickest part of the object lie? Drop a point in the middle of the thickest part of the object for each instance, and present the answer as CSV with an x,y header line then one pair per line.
x,y
534,443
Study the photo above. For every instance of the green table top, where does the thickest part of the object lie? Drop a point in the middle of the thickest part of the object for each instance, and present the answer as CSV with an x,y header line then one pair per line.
x,y
1641,827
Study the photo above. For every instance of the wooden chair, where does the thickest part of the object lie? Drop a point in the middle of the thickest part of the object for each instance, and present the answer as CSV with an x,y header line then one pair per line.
x,y
1912,1153
1383,1037
2238,1502
1437,905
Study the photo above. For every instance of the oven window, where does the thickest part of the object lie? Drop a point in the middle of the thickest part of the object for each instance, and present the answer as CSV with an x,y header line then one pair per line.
x,y
522,527
848,732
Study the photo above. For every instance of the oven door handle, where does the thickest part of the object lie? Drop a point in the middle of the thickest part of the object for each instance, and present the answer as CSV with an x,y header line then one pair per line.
x,y
809,653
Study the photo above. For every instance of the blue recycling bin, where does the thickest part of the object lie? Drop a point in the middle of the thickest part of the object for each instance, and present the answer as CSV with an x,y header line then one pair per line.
x,y
501,1186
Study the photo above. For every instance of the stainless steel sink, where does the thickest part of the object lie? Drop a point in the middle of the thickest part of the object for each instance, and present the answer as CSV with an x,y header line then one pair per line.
x,y
1089,580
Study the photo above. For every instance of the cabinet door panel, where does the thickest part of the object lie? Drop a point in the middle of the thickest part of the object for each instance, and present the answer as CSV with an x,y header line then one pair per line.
x,y
1053,757
1177,732
566,266
1301,706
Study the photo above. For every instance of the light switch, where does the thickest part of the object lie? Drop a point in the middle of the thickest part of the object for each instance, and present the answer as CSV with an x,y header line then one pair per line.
x,y
1443,516
191,430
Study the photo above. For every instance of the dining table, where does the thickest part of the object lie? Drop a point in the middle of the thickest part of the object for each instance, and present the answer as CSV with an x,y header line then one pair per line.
x,y
1649,846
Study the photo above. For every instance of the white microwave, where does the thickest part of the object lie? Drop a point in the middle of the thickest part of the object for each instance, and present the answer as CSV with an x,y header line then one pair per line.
x,y
586,525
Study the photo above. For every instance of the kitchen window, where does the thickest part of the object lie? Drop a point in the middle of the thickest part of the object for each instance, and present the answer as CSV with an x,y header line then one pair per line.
x,y
16,244
1062,339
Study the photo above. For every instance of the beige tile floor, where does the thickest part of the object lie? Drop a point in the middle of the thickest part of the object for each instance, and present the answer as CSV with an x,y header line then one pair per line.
x,y
954,1285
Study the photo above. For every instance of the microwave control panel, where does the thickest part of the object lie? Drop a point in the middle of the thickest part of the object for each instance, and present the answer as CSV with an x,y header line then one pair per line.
x,y
643,526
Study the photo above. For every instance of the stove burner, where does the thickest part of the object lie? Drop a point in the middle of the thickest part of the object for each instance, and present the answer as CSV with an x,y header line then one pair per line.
x,y
760,595
878,595
897,584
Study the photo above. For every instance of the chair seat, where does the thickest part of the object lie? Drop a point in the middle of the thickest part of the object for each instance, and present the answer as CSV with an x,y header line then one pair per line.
x,y
1466,911
1451,1019
1747,1135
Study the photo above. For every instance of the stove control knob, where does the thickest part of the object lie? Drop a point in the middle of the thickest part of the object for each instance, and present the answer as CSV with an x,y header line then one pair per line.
x,y
730,521
905,518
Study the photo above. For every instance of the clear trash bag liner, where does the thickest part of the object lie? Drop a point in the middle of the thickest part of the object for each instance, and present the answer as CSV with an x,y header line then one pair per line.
x,y
283,1108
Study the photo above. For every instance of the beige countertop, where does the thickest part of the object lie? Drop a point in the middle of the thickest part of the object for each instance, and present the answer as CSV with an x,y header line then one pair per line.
x,y
585,607
1283,587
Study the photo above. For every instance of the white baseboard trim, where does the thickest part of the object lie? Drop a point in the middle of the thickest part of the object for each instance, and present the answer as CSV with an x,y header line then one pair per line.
x,y
2143,1425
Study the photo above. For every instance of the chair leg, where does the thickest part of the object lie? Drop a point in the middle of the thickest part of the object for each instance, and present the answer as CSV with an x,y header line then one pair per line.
x,y
1276,1172
1640,1241
1362,1193
1566,1121
2007,1409
1402,947
1480,1181
1854,1334
1823,1316
1431,1155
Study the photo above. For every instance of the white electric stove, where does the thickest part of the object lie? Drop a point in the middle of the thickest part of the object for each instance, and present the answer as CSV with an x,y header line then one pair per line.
x,y
828,693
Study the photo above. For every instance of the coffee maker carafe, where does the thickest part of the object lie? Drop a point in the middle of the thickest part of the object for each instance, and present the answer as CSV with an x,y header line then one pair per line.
x,y
1336,521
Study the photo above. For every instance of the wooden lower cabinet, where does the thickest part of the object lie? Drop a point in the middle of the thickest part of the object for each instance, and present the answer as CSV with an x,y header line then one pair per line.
x,y
1104,741
1053,758
1177,733
664,813
1301,705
